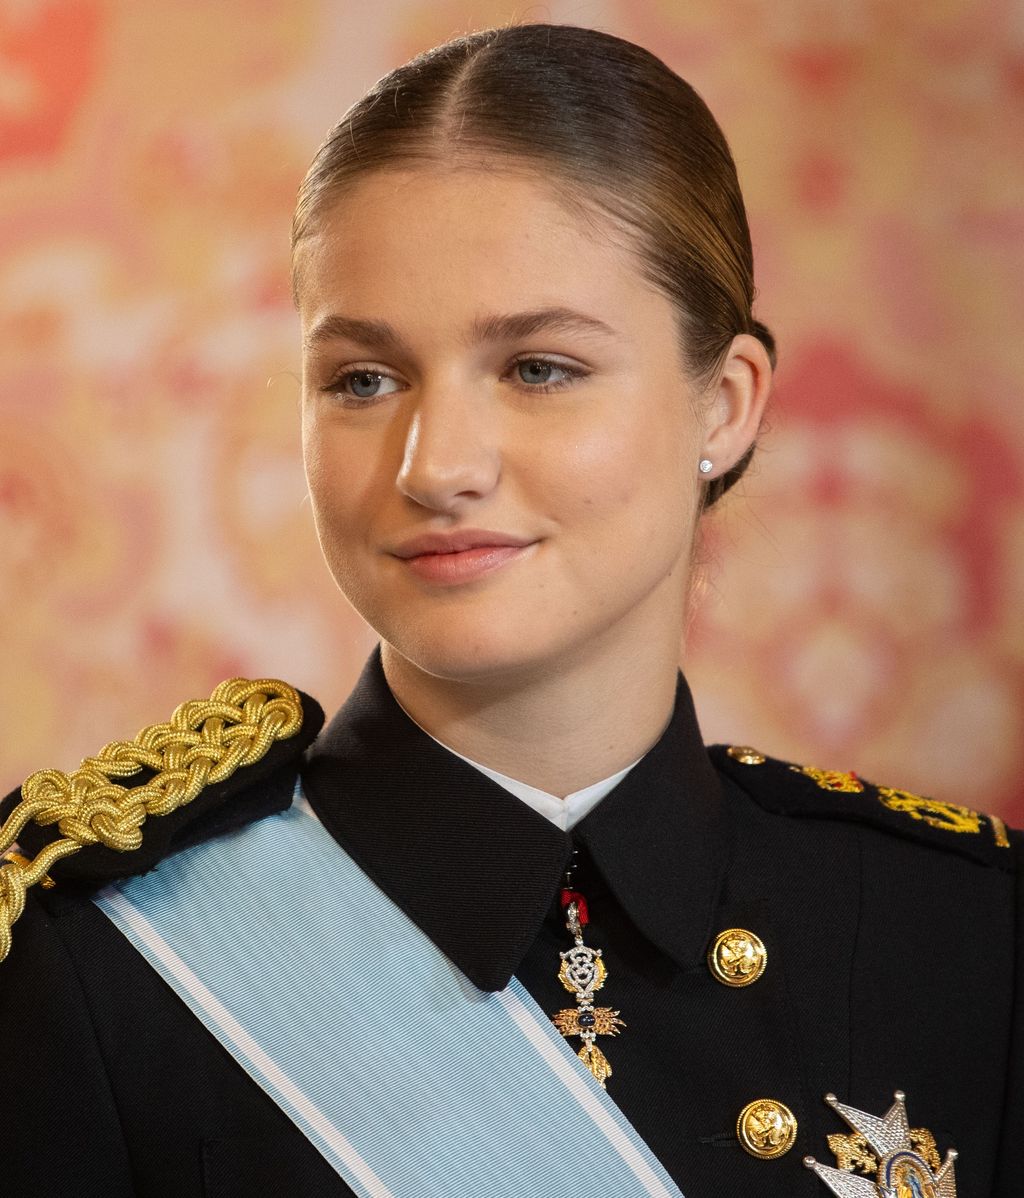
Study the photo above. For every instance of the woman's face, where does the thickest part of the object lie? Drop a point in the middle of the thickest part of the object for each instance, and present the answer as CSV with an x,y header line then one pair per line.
x,y
500,439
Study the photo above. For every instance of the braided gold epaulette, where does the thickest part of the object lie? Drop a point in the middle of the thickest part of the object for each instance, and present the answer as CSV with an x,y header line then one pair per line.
x,y
204,742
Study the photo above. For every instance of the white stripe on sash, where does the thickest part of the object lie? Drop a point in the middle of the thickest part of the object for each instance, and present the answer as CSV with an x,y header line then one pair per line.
x,y
257,1063
410,1081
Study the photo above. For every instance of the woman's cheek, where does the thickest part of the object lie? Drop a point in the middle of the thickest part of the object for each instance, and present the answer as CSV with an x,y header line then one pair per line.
x,y
312,452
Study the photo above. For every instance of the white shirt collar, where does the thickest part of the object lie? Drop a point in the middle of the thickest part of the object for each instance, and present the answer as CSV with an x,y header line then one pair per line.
x,y
563,813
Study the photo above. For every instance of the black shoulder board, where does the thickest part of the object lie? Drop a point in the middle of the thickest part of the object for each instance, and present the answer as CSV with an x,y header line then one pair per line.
x,y
216,764
806,791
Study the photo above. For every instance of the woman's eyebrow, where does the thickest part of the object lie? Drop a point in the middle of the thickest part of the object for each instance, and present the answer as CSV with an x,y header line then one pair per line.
x,y
367,332
516,325
512,326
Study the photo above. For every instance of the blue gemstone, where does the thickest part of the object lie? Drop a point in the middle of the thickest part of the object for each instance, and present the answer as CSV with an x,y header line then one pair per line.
x,y
587,1019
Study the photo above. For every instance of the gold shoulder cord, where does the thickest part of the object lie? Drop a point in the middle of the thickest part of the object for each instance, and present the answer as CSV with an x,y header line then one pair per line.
x,y
204,742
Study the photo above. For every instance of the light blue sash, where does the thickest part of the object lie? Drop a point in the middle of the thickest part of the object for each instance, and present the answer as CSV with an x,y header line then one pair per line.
x,y
409,1080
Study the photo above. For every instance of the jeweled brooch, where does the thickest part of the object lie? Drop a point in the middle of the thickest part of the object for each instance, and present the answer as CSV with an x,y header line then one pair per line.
x,y
903,1160
582,973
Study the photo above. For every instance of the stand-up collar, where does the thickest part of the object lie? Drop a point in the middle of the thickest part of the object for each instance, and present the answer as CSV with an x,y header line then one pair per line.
x,y
478,870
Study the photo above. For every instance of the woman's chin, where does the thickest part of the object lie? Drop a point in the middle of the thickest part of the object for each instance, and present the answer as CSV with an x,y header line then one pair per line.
x,y
467,659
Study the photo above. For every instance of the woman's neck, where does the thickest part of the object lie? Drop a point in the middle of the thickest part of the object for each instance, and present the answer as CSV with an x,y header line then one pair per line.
x,y
559,731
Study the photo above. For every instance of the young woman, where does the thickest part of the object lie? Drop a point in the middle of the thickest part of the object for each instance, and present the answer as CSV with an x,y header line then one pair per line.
x,y
506,927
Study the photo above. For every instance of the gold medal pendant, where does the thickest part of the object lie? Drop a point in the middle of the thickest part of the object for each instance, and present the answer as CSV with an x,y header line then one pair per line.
x,y
582,973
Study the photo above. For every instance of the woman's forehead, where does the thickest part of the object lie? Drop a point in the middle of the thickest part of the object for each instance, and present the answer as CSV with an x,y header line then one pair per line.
x,y
485,240
442,209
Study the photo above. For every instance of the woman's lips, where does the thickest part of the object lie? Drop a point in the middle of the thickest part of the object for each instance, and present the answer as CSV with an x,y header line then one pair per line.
x,y
463,565
459,555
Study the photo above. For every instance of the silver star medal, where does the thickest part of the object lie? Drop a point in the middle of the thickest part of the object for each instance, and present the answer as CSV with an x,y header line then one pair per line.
x,y
903,1159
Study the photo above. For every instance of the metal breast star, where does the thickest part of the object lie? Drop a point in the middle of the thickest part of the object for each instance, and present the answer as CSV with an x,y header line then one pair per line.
x,y
904,1159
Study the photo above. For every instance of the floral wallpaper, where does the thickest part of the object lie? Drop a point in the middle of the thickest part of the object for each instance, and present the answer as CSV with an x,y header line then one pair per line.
x,y
861,597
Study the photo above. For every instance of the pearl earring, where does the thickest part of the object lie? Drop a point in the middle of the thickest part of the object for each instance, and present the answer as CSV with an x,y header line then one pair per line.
x,y
706,466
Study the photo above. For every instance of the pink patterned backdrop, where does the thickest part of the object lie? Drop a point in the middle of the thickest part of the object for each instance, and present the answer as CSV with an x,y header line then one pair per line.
x,y
862,602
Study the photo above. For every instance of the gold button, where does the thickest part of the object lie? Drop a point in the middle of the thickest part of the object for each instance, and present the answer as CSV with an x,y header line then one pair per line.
x,y
737,957
745,755
766,1128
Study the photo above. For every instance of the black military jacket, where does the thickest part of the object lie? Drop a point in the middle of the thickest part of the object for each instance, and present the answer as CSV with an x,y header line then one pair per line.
x,y
894,962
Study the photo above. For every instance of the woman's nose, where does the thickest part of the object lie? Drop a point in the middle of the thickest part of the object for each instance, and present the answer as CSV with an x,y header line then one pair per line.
x,y
450,452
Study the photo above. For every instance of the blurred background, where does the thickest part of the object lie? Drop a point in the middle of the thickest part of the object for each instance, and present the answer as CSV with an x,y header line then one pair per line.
x,y
862,600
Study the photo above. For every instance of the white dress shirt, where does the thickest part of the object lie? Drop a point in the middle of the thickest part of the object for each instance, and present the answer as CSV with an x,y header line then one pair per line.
x,y
563,813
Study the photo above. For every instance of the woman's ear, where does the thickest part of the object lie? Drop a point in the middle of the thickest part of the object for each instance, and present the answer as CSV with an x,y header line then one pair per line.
x,y
734,409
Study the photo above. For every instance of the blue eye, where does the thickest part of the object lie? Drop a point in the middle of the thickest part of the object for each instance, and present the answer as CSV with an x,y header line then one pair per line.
x,y
535,371
363,384
541,374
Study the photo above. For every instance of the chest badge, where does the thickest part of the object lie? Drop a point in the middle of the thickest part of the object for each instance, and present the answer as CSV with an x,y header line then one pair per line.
x,y
583,973
903,1160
